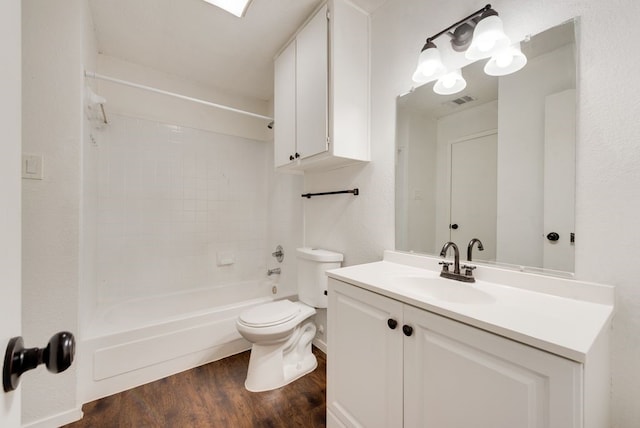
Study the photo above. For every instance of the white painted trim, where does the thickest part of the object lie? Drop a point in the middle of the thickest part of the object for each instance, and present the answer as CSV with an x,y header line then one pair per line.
x,y
57,420
320,344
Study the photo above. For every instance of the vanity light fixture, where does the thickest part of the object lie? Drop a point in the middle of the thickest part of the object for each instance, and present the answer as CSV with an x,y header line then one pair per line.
x,y
430,66
450,83
488,36
506,61
234,7
479,35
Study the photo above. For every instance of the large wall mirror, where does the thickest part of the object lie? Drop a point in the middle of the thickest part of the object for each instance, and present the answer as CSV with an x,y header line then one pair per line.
x,y
494,162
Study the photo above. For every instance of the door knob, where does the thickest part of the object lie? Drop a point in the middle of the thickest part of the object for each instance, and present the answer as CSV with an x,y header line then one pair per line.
x,y
553,236
454,226
407,330
57,356
392,323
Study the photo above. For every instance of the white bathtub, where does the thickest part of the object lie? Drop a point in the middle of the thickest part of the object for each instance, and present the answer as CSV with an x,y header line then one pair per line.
x,y
138,341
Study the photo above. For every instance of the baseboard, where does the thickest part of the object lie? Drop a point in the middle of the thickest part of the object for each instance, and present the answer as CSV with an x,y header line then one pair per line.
x,y
320,344
58,420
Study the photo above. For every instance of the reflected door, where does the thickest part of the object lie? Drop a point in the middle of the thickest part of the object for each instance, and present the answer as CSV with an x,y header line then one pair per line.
x,y
474,192
559,181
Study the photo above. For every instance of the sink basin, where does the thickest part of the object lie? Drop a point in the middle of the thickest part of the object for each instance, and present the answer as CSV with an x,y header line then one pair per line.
x,y
446,290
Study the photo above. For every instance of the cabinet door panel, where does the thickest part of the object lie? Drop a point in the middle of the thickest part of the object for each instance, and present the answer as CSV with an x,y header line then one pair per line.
x,y
284,132
311,86
364,370
458,376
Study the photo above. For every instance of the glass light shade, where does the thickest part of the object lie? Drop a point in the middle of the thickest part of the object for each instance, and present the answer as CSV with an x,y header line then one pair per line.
x,y
488,39
505,62
450,83
430,66
234,7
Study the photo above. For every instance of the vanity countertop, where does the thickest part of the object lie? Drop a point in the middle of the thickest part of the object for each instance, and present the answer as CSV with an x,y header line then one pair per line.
x,y
559,315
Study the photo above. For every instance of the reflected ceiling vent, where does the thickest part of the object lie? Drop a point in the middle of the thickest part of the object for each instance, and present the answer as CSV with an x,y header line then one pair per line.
x,y
460,100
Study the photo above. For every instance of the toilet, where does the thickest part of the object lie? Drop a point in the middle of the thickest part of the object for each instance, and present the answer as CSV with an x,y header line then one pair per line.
x,y
281,331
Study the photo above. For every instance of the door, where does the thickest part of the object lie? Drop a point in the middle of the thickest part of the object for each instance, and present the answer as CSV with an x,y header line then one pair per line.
x,y
559,180
10,229
364,368
284,100
312,76
458,376
474,192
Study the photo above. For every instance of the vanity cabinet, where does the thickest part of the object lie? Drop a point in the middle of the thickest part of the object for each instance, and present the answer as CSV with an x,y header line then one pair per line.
x,y
391,364
321,92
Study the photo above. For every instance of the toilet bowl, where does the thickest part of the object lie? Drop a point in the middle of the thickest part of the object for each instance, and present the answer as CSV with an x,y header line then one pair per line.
x,y
281,332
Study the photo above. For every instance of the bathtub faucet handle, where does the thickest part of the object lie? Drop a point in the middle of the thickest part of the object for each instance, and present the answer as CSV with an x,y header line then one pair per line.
x,y
278,253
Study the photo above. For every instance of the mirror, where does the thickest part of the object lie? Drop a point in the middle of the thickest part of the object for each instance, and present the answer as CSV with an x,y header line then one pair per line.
x,y
495,161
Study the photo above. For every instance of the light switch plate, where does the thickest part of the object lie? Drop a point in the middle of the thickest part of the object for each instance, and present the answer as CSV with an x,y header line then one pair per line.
x,y
32,166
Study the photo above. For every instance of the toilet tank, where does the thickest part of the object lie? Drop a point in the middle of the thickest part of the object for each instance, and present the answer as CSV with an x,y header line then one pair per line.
x,y
312,279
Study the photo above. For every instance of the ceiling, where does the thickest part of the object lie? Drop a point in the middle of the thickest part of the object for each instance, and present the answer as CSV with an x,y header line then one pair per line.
x,y
200,42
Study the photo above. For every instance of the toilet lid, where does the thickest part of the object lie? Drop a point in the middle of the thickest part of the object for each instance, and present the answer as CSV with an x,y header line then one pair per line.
x,y
270,314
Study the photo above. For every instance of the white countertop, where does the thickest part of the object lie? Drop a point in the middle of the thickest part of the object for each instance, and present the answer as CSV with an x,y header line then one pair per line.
x,y
558,315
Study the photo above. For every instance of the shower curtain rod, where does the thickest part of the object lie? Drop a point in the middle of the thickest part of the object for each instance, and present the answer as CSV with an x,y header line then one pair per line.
x,y
94,75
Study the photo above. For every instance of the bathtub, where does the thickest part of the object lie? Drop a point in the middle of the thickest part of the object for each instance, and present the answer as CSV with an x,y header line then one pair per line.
x,y
134,342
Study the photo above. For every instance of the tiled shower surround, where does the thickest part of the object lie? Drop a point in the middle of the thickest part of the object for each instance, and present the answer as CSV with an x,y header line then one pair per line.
x,y
177,208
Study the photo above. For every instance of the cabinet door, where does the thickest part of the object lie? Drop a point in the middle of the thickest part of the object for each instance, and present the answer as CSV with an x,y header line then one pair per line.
x,y
284,132
364,365
457,376
311,86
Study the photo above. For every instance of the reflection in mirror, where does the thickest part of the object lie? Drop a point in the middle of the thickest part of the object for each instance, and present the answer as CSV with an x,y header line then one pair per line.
x,y
494,162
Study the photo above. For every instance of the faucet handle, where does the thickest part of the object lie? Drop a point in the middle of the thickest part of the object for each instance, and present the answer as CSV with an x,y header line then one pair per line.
x,y
445,266
468,269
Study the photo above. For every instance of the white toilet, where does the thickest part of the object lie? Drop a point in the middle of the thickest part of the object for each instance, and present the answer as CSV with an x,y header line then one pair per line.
x,y
282,331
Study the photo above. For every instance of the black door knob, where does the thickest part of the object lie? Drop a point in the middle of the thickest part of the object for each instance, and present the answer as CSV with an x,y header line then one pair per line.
x,y
407,330
392,323
57,356
297,155
454,226
553,236
291,157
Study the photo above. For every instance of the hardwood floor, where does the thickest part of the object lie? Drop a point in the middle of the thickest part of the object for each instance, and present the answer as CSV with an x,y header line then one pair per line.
x,y
213,395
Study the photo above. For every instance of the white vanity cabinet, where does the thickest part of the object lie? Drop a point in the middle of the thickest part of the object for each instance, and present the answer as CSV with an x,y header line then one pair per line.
x,y
321,91
391,364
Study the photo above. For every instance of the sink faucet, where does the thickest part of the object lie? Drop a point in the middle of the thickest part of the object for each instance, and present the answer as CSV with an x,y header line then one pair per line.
x,y
467,276
456,257
470,247
272,271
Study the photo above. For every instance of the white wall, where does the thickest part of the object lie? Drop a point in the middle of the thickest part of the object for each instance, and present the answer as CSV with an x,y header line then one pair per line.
x,y
608,181
56,38
148,105
172,202
422,178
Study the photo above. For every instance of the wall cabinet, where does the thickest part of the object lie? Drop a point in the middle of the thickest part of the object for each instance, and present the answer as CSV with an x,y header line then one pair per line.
x,y
391,364
321,91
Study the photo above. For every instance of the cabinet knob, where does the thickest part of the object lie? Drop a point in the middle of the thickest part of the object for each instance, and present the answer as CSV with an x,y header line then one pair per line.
x,y
392,323
297,155
291,157
407,330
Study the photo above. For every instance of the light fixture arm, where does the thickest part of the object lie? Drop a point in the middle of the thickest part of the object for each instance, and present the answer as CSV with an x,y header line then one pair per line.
x,y
462,21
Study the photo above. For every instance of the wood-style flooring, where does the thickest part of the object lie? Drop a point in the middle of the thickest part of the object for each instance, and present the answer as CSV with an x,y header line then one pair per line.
x,y
213,395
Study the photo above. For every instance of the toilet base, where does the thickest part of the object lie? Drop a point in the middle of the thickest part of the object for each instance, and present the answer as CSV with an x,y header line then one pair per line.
x,y
276,365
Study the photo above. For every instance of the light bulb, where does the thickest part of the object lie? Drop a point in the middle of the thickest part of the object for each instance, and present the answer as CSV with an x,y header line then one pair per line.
x,y
504,59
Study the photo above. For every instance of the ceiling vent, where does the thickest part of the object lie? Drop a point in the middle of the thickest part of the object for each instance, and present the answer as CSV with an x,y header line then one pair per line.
x,y
461,100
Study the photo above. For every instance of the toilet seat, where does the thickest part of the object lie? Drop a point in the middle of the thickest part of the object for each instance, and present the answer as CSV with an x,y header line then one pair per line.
x,y
270,314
